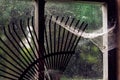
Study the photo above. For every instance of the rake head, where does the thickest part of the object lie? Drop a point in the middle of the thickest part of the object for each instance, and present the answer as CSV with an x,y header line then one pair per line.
x,y
19,48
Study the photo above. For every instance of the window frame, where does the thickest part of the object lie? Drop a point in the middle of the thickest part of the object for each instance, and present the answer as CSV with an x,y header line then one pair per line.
x,y
107,7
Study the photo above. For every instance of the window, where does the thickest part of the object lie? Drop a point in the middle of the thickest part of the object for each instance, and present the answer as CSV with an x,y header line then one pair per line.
x,y
20,43
13,11
91,58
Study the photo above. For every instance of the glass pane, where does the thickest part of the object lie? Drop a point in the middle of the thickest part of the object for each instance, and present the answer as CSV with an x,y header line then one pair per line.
x,y
11,12
87,62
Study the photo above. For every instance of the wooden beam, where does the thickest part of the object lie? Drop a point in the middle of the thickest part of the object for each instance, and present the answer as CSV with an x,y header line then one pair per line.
x,y
81,0
93,0
118,38
105,42
40,25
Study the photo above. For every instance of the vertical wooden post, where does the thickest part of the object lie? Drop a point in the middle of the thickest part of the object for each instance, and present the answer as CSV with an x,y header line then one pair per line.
x,y
105,42
118,38
40,25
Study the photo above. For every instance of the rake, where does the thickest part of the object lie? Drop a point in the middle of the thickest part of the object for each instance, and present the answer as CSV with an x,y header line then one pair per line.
x,y
19,48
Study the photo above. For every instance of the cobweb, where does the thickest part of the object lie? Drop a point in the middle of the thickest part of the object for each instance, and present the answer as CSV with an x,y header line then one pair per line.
x,y
96,36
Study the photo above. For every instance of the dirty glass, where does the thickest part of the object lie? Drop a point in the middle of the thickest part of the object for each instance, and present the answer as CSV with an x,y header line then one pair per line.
x,y
11,13
87,62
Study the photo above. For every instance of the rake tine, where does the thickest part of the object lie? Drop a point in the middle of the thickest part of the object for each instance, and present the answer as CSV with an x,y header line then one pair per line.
x,y
7,67
11,58
78,21
59,34
75,45
47,46
9,73
72,22
35,75
67,61
55,40
55,34
9,54
75,37
27,78
28,68
11,63
63,34
29,74
58,48
30,77
47,63
79,38
71,38
32,68
7,77
68,34
27,40
23,45
81,26
69,55
32,35
34,29
47,52
15,46
62,46
50,39
66,41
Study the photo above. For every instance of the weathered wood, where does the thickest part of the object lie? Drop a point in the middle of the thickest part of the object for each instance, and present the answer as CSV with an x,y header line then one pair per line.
x,y
105,42
82,0
118,39
40,24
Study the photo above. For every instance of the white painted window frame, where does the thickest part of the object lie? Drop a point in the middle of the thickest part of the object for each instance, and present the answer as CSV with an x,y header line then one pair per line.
x,y
105,41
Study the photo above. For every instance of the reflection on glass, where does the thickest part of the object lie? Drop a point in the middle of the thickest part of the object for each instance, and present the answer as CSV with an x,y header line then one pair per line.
x,y
87,62
12,11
